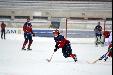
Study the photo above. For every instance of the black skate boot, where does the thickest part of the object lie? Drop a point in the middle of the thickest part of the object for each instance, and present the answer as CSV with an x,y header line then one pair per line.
x,y
23,49
75,59
105,58
29,49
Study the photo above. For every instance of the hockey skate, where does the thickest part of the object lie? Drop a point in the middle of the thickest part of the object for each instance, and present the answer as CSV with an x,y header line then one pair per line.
x,y
75,59
29,48
23,49
105,58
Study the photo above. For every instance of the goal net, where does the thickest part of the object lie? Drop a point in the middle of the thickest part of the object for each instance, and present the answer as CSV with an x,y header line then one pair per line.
x,y
82,28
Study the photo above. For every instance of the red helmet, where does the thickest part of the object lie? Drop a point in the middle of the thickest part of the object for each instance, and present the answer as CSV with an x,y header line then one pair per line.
x,y
56,32
106,34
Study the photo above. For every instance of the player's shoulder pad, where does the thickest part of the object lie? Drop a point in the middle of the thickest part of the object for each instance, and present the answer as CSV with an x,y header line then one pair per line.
x,y
61,36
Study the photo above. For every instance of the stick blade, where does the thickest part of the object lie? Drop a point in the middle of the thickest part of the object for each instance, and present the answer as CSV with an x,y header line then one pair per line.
x,y
47,60
92,62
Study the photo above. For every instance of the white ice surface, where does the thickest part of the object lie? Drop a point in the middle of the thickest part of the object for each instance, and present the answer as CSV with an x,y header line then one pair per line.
x,y
14,61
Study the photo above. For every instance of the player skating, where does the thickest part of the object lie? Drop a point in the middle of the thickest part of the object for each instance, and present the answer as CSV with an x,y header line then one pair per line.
x,y
108,39
63,43
108,54
28,33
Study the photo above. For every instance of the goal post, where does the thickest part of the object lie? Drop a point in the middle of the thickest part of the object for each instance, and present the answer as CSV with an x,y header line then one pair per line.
x,y
82,28
63,27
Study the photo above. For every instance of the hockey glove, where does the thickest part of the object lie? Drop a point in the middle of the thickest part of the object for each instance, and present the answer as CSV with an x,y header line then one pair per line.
x,y
33,34
56,46
55,50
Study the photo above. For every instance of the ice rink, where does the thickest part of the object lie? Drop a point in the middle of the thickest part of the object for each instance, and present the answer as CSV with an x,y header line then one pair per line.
x,y
14,61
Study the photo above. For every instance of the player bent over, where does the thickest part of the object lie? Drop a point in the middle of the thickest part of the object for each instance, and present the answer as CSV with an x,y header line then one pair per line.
x,y
109,43
63,43
28,33
108,54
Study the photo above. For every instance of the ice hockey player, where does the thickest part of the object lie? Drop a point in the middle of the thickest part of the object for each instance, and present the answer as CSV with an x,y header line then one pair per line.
x,y
109,44
108,38
3,26
106,34
63,43
98,34
28,33
108,54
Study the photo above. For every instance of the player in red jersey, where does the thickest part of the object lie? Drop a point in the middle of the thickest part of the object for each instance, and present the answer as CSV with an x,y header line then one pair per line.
x,y
3,26
63,43
28,33
108,54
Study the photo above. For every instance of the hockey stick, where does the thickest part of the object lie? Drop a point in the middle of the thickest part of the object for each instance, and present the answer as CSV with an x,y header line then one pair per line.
x,y
49,60
94,61
98,58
